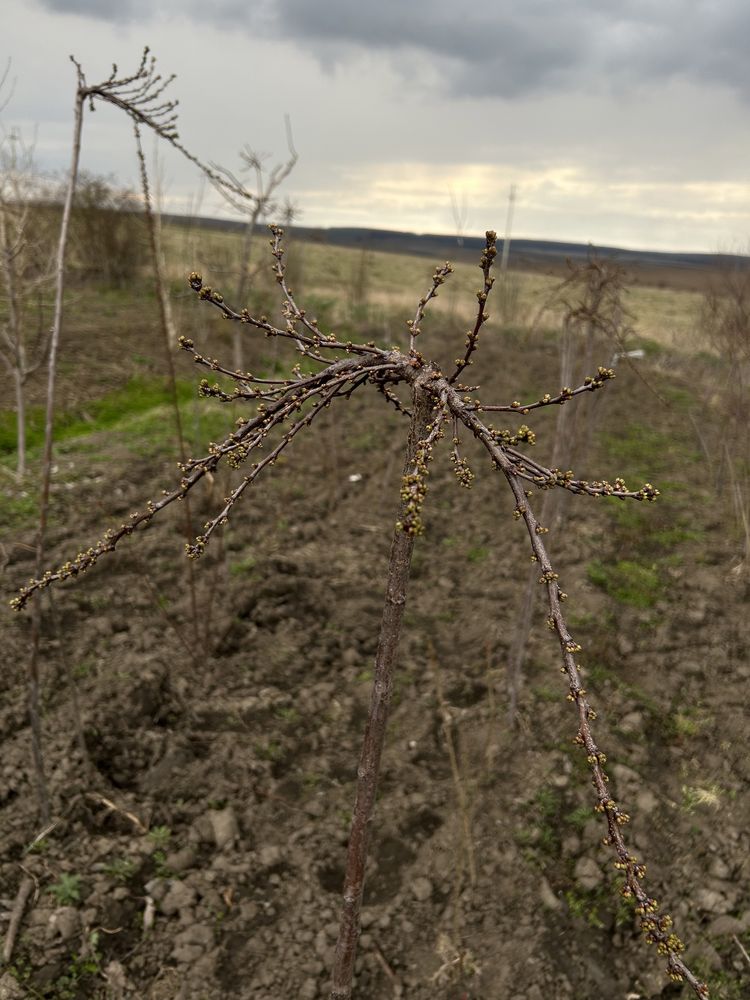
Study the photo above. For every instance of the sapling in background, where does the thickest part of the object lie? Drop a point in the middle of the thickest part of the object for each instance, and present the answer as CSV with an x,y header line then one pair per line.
x,y
438,404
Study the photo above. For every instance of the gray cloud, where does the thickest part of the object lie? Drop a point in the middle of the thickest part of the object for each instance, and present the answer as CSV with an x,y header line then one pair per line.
x,y
503,49
101,10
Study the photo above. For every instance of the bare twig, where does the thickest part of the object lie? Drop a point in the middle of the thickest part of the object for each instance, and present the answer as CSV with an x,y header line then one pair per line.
x,y
742,948
16,915
459,784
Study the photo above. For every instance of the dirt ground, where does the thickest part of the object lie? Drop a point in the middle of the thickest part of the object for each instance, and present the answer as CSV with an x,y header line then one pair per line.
x,y
197,847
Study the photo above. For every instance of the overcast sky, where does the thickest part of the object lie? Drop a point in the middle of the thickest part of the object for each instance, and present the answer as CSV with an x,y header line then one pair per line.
x,y
624,123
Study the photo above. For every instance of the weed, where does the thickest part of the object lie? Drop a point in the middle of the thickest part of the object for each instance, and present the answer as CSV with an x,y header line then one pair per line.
x,y
83,669
17,509
287,714
694,797
246,565
548,694
40,846
581,905
161,868
121,869
683,725
579,817
159,836
67,889
271,751
81,967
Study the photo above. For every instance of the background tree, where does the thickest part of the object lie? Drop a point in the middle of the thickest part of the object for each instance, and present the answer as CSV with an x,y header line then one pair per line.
x,y
26,268
256,210
725,317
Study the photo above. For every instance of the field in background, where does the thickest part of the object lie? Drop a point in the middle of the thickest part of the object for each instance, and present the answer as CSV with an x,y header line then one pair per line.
x,y
389,284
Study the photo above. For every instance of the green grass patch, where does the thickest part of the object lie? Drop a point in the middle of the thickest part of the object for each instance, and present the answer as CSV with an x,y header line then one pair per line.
x,y
139,395
627,582
16,511
644,452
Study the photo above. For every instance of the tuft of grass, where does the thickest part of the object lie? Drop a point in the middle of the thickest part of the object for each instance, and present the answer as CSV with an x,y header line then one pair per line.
x,y
17,509
684,724
246,565
67,889
582,905
121,869
579,817
627,582
694,796
159,836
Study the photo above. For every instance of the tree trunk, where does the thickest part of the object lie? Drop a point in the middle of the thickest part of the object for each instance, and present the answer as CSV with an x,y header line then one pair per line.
x,y
372,747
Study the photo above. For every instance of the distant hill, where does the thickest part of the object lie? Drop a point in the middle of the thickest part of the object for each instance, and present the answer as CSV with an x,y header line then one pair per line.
x,y
646,266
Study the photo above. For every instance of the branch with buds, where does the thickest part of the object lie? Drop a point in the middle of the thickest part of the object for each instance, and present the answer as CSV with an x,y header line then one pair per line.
x,y
282,408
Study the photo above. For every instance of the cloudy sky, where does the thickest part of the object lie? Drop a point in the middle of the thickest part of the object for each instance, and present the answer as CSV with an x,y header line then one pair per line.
x,y
625,123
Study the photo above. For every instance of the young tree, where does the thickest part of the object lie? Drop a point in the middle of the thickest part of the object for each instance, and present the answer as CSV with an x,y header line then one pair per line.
x,y
725,316
261,206
438,403
26,269
141,95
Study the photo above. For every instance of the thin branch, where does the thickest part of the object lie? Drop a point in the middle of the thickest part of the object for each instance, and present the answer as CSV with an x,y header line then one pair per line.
x,y
488,258
306,344
590,384
657,929
438,279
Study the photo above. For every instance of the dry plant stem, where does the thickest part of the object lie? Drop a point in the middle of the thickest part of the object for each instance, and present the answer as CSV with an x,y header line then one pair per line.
x,y
70,678
19,905
742,948
46,474
15,225
142,96
372,747
165,326
459,784
261,203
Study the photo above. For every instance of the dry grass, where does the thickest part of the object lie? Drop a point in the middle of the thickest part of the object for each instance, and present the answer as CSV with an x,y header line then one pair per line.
x,y
666,316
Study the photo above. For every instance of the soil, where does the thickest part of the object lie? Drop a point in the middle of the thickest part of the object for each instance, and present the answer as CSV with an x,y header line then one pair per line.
x,y
201,803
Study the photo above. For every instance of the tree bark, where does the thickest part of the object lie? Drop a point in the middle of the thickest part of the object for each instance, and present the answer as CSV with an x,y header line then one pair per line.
x,y
372,747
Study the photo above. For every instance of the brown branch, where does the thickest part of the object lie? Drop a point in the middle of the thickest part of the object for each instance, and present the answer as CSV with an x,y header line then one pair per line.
x,y
590,384
235,448
657,929
488,258
307,345
16,915
140,96
198,546
372,747
438,278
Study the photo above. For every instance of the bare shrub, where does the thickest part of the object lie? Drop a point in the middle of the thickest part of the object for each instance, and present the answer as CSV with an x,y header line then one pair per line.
x,y
435,404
